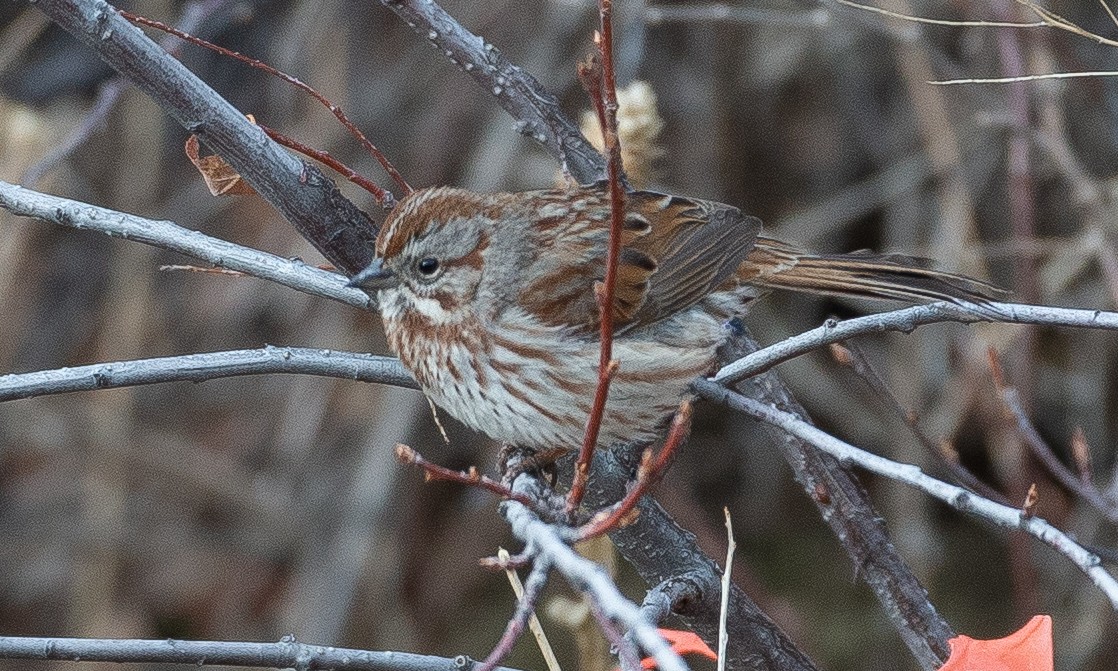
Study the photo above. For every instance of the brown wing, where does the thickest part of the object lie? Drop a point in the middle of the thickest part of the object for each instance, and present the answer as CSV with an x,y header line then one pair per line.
x,y
697,244
674,252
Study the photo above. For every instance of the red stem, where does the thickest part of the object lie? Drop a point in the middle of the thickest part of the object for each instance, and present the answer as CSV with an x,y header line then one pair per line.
x,y
383,197
260,65
606,104
648,475
407,455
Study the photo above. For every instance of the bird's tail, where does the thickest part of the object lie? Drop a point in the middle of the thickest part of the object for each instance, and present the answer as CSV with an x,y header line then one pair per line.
x,y
777,265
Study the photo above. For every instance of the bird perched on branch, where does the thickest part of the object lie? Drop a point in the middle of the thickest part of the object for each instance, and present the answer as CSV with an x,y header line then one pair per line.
x,y
489,300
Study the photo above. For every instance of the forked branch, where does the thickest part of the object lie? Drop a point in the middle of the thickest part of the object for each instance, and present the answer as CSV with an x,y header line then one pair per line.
x,y
956,497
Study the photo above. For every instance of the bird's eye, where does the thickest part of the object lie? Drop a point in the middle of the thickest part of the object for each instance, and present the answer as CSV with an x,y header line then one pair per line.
x,y
428,266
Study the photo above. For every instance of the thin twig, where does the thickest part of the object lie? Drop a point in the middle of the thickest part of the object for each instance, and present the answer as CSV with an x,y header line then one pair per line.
x,y
1048,19
472,478
1109,12
628,657
533,622
385,198
941,22
1056,21
1024,78
525,607
851,354
1040,449
723,633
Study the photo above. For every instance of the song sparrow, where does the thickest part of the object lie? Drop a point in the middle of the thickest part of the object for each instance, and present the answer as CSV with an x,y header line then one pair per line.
x,y
488,300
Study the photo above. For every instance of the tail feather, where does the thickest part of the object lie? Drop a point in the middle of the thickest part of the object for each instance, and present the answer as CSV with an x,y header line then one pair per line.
x,y
777,265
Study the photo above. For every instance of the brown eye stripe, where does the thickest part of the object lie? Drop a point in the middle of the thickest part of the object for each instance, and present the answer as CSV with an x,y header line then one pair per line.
x,y
475,258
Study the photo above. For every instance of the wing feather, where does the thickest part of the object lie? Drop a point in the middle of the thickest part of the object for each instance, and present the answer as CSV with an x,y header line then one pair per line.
x,y
675,251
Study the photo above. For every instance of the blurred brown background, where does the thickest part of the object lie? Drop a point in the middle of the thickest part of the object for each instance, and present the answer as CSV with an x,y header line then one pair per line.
x,y
250,508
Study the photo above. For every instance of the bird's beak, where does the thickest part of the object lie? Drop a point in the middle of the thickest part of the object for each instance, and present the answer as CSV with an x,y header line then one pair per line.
x,y
374,277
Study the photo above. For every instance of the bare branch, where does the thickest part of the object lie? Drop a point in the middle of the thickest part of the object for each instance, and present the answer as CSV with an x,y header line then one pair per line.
x,y
287,272
284,654
207,366
600,81
525,608
470,478
851,354
584,575
686,582
954,496
845,506
1081,487
906,320
627,654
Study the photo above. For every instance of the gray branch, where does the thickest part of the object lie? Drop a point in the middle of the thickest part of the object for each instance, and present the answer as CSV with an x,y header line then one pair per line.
x,y
207,366
167,235
284,654
545,540
906,320
685,581
845,506
954,496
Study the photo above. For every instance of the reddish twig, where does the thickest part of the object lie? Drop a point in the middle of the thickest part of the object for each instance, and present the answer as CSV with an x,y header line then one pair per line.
x,y
851,355
1041,450
533,585
648,474
383,197
604,94
406,455
260,65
